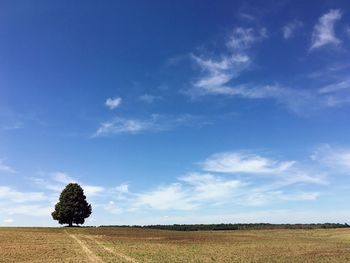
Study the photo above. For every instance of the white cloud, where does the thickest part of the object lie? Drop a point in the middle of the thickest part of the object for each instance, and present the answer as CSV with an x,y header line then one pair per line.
x,y
121,125
257,197
123,188
243,38
336,94
91,190
167,197
36,210
189,192
154,123
63,178
286,181
323,33
337,100
347,30
290,28
247,16
219,73
6,168
13,126
294,100
148,98
56,182
338,158
8,220
111,207
235,162
13,201
10,195
198,190
210,187
296,175
113,103
307,196
335,87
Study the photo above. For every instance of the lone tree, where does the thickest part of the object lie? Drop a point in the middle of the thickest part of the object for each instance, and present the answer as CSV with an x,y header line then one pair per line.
x,y
72,206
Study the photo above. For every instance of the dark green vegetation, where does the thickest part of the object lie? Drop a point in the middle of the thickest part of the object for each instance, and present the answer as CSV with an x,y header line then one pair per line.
x,y
72,206
213,227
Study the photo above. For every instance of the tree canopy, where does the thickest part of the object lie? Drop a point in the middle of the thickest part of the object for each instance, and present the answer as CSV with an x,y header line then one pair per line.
x,y
72,206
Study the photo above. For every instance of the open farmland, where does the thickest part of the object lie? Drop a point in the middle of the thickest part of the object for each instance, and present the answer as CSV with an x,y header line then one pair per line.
x,y
147,245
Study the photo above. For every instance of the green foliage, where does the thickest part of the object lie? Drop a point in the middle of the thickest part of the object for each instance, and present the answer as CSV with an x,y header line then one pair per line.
x,y
72,206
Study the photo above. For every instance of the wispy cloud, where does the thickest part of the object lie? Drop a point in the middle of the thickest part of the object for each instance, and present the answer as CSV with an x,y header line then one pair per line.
x,y
202,189
347,30
335,87
36,210
260,198
121,125
148,98
112,208
280,173
290,29
247,16
188,193
198,190
243,38
218,71
166,197
56,181
123,188
8,221
218,182
337,93
209,187
11,195
323,33
13,201
6,168
154,123
236,162
219,74
62,177
335,157
113,103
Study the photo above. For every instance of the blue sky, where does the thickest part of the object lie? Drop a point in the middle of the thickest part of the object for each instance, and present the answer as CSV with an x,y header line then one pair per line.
x,y
176,112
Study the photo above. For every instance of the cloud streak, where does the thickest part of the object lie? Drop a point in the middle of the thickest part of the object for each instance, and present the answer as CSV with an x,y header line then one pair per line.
x,y
6,168
290,29
154,123
335,157
235,162
323,33
209,189
219,74
148,98
224,179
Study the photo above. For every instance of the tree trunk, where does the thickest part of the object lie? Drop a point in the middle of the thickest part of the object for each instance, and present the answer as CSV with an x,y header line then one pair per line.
x,y
70,224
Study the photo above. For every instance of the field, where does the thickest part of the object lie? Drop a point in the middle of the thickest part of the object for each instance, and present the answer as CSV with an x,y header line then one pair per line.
x,y
147,245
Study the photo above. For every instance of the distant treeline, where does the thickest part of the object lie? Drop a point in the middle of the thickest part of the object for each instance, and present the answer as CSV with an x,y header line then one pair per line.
x,y
216,227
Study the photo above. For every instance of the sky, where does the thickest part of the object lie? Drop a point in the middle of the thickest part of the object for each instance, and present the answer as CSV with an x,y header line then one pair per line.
x,y
176,111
